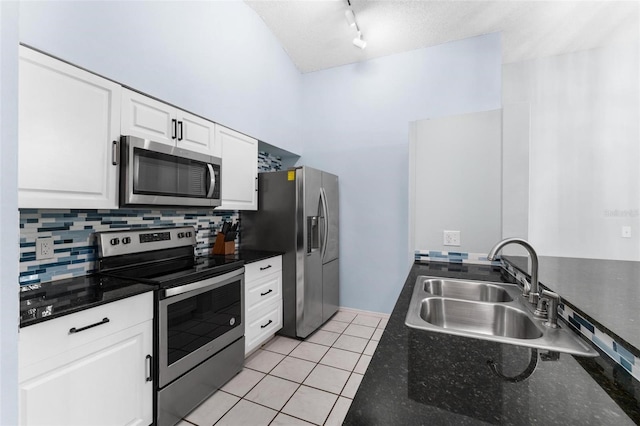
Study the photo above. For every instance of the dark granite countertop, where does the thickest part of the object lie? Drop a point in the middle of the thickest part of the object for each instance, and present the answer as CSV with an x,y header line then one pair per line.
x,y
250,256
44,301
606,291
427,378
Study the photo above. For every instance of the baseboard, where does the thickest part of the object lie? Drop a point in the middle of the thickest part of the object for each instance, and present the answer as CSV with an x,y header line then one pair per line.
x,y
360,311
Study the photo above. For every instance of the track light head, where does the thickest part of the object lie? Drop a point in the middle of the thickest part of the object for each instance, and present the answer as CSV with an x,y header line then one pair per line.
x,y
359,42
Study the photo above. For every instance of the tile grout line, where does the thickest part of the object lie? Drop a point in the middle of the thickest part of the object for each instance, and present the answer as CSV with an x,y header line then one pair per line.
x,y
257,403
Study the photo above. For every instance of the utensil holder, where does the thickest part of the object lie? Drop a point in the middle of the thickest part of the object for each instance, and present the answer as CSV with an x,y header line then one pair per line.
x,y
223,247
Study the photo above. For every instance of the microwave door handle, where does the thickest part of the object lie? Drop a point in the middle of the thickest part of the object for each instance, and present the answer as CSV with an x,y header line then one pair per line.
x,y
212,181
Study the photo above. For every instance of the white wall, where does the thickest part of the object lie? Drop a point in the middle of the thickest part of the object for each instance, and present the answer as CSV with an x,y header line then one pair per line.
x,y
515,172
356,124
214,58
584,164
458,178
8,213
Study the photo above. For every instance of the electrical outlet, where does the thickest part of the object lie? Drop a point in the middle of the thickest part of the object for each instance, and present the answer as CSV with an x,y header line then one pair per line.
x,y
451,238
44,248
626,232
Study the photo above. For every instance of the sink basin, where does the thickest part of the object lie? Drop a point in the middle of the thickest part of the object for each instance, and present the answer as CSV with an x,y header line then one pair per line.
x,y
484,318
468,290
488,311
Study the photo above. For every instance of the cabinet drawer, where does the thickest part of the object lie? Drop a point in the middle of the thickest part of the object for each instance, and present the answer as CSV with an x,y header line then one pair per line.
x,y
262,324
53,337
256,270
263,291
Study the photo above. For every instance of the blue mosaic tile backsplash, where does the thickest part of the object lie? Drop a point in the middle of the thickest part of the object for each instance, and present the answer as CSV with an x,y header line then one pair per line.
x,y
268,162
75,252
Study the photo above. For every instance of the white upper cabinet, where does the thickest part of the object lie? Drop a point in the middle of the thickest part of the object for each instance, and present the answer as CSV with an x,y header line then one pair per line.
x,y
68,122
148,118
239,155
195,133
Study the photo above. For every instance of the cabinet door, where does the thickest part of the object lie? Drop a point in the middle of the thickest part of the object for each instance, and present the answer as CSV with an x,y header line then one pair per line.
x,y
147,118
195,133
101,383
68,119
239,169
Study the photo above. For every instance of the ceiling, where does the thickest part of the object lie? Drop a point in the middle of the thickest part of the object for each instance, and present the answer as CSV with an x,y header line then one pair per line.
x,y
316,35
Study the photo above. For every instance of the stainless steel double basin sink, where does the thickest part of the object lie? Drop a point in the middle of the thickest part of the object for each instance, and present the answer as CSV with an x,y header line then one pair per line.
x,y
487,311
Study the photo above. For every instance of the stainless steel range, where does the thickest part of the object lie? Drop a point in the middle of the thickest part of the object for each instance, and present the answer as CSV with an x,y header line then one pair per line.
x,y
199,328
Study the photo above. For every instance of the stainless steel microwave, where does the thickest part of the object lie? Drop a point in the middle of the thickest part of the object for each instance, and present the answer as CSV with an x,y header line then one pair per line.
x,y
153,173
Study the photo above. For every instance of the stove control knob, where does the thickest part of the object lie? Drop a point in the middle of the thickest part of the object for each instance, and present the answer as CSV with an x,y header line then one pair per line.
x,y
232,321
115,241
188,234
180,234
126,240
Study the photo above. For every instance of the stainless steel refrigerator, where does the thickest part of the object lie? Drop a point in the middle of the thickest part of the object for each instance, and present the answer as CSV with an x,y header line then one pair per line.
x,y
298,215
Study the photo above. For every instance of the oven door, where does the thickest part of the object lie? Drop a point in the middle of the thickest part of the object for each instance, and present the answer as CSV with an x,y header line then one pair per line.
x,y
153,173
197,320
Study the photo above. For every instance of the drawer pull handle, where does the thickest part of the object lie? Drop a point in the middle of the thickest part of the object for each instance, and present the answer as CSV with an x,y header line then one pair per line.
x,y
266,325
266,267
78,330
149,367
264,294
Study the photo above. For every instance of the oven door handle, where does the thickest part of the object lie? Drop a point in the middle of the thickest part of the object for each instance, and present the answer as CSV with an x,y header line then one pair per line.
x,y
174,291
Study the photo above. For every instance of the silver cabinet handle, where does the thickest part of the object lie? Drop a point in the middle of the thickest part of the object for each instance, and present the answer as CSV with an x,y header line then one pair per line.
x,y
212,181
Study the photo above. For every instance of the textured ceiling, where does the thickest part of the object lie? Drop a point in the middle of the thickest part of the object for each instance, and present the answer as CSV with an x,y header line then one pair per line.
x,y
316,36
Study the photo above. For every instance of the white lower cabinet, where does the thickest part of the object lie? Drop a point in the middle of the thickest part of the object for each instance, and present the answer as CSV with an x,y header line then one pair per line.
x,y
263,301
99,375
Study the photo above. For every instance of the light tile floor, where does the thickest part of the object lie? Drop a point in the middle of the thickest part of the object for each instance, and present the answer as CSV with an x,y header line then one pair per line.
x,y
294,382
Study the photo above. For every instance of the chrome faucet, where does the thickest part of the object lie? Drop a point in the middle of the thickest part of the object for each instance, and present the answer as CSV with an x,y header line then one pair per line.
x,y
530,292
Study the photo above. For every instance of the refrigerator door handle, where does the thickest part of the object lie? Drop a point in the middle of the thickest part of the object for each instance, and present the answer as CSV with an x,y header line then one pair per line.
x,y
325,216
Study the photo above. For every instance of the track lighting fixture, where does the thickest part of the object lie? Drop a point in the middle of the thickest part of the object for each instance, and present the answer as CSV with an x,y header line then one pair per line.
x,y
359,42
351,20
